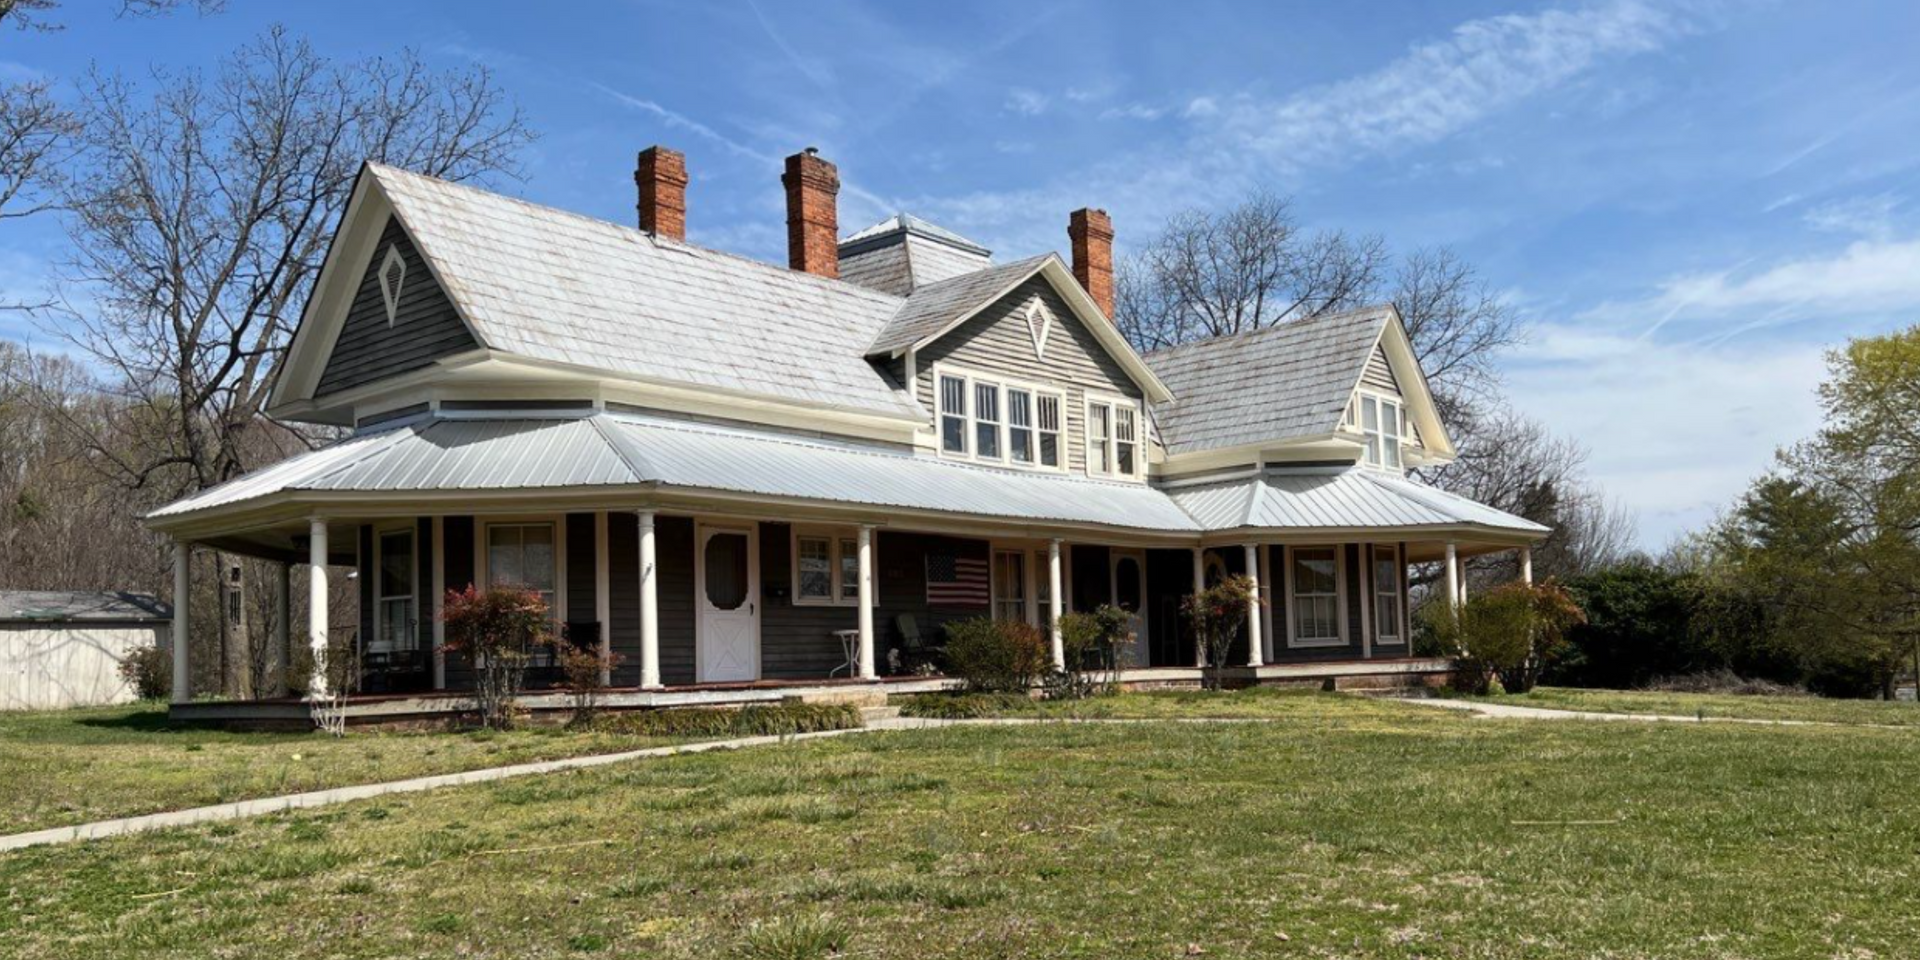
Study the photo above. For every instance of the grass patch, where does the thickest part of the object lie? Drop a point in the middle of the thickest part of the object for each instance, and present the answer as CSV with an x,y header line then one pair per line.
x,y
1726,705
966,706
1253,703
758,720
1354,828
72,766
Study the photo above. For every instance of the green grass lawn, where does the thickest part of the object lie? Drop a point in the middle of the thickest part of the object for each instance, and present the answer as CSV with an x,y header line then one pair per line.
x,y
1820,709
1262,703
72,766
1348,829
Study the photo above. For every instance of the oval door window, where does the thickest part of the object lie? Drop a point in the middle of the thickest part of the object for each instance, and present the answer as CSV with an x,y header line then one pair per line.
x,y
727,570
1126,586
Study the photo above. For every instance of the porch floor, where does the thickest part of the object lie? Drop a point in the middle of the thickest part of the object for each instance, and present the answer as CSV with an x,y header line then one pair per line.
x,y
440,705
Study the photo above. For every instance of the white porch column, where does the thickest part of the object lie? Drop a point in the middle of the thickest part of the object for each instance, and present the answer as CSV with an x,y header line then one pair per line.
x,y
1526,565
603,595
1453,577
283,627
1199,587
1253,609
865,657
649,606
1053,605
182,599
317,605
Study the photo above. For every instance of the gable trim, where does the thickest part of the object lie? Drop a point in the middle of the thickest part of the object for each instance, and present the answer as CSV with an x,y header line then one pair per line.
x,y
1415,396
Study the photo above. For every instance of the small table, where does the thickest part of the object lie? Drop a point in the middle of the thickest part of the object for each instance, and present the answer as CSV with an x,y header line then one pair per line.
x,y
849,644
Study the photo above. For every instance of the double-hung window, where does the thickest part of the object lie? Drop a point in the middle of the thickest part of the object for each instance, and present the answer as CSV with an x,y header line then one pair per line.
x,y
826,569
1380,422
526,555
1010,585
985,418
1314,577
1113,438
1386,594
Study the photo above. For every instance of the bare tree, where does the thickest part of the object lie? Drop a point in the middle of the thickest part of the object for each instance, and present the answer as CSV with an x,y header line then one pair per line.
x,y
200,215
1209,275
36,135
1456,325
32,14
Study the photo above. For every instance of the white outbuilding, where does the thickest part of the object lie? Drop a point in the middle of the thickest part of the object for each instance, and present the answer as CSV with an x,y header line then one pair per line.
x,y
63,649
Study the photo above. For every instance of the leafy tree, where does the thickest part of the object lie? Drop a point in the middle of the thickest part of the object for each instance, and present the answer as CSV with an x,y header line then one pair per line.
x,y
1514,633
1218,614
498,629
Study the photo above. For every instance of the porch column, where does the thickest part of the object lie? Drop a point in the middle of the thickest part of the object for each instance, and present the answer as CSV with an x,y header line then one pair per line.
x,y
1526,565
1053,605
283,627
182,600
1453,577
317,605
1253,609
1199,587
867,671
649,606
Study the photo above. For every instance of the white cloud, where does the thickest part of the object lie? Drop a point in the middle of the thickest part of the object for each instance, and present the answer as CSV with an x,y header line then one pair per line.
x,y
1675,433
1870,216
1201,107
1866,277
1026,103
1133,111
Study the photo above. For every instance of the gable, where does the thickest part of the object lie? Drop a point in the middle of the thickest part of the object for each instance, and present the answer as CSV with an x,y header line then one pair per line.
x,y
1379,373
422,329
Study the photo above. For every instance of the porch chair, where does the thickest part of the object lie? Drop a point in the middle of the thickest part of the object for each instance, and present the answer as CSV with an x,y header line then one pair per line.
x,y
914,648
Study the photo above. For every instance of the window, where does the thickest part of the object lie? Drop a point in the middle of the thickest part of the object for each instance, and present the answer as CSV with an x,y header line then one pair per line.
x,y
1019,426
989,419
1049,430
395,629
826,568
953,414
1380,421
1314,575
1043,586
1386,594
525,555
234,606
1113,438
986,421
1100,438
393,276
1009,585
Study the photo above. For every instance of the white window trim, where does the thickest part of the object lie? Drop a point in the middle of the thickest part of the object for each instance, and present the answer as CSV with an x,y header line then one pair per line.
x,y
1339,593
1395,553
391,297
1114,402
380,596
836,538
1360,426
483,573
1001,385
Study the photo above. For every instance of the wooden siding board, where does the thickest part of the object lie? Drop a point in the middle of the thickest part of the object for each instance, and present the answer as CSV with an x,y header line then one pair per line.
x,y
1379,373
425,326
582,561
363,561
456,535
796,640
997,340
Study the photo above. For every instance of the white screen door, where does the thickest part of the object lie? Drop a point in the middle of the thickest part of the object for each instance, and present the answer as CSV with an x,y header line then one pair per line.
x,y
1130,594
728,571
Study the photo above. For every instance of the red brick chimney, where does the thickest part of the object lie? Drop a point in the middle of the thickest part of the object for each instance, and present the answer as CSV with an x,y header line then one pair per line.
x,y
813,218
1091,234
661,175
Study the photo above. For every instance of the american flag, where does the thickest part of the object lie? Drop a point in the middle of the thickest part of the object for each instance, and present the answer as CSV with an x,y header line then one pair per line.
x,y
956,581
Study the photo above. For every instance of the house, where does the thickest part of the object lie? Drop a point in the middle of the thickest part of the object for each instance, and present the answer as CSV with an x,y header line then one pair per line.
x,y
736,475
63,648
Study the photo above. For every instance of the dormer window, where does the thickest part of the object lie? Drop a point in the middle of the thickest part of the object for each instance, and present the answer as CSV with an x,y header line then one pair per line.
x,y
1380,422
1113,438
393,277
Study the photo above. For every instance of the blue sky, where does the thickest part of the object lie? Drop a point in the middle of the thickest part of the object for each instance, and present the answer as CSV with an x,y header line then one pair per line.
x,y
1687,201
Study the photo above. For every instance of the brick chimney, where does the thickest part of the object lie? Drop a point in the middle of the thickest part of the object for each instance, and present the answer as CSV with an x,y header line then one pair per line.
x,y
661,175
813,219
1091,234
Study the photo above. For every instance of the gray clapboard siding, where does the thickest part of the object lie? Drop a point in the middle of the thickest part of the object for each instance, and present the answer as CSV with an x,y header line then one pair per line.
x,y
997,340
456,539
425,327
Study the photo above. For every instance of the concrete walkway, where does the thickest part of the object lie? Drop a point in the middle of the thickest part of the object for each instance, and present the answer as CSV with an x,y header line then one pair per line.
x,y
321,798
1516,712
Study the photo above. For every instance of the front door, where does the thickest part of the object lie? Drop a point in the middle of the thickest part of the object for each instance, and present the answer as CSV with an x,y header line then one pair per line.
x,y
727,647
1129,592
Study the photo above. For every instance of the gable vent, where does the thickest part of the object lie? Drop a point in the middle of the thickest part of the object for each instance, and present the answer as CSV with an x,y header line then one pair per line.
x,y
393,276
1039,324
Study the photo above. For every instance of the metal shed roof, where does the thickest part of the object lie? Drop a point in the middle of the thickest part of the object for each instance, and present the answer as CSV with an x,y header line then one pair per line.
x,y
79,606
1344,499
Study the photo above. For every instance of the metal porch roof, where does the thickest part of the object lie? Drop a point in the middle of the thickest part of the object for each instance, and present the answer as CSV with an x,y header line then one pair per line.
x,y
1344,499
